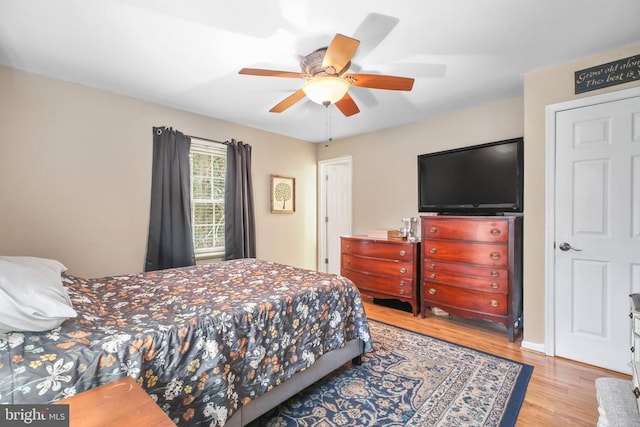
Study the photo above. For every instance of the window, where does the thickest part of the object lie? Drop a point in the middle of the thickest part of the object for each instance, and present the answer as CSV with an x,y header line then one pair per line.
x,y
208,168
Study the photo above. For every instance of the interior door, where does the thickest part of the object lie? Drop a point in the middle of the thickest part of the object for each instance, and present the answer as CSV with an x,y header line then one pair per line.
x,y
597,235
335,211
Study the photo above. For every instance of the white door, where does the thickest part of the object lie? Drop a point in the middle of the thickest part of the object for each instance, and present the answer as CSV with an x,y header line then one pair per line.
x,y
597,231
335,211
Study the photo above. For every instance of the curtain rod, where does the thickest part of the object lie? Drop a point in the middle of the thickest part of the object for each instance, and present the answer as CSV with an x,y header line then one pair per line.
x,y
207,139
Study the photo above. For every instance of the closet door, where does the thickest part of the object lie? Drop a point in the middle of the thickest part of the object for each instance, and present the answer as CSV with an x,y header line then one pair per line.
x,y
597,236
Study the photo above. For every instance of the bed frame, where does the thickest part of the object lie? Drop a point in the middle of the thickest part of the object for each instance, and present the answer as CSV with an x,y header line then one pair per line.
x,y
326,364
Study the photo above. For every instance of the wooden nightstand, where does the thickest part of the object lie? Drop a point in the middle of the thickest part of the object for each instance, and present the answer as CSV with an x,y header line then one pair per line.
x,y
121,403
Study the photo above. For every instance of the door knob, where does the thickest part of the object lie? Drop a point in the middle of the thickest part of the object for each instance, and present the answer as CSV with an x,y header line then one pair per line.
x,y
564,246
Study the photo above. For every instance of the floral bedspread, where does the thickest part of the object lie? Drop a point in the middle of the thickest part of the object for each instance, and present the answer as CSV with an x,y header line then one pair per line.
x,y
200,340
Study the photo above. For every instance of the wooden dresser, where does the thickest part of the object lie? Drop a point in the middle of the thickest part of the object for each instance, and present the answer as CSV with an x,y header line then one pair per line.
x,y
383,268
472,267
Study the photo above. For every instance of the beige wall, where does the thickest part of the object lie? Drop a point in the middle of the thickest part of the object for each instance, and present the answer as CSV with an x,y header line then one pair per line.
x,y
75,168
385,182
542,88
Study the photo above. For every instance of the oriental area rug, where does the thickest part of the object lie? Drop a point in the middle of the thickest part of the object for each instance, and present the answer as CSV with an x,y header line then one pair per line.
x,y
410,379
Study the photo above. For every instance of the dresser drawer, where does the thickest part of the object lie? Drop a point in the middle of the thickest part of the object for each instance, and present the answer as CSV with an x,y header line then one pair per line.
x,y
377,266
467,299
378,249
469,282
429,265
473,253
466,229
388,285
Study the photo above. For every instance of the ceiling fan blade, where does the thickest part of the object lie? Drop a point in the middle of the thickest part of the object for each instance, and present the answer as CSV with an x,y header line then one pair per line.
x,y
288,102
379,81
269,73
372,31
340,52
347,105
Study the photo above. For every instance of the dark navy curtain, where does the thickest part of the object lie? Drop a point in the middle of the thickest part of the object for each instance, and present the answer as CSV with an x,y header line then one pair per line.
x,y
170,241
239,221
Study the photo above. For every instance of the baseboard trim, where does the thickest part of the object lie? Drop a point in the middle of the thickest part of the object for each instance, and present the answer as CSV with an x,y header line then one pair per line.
x,y
533,346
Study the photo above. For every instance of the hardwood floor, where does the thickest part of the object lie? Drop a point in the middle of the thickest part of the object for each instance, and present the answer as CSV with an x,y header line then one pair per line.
x,y
560,393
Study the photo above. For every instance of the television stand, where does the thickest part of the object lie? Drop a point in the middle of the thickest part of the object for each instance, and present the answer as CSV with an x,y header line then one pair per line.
x,y
472,268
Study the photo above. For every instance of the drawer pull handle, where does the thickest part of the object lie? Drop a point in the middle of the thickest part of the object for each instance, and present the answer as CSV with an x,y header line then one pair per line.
x,y
401,282
432,276
494,303
432,265
494,273
401,291
403,270
495,231
432,291
348,261
348,246
433,250
495,255
494,285
403,252
433,229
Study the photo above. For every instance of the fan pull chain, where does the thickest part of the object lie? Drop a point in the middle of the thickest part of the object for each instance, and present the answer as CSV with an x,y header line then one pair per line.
x,y
327,122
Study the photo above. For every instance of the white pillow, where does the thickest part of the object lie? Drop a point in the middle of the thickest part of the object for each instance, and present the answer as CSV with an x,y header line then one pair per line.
x,y
32,297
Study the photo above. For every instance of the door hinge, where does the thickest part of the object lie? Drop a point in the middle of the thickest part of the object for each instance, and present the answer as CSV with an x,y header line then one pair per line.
x,y
326,219
326,260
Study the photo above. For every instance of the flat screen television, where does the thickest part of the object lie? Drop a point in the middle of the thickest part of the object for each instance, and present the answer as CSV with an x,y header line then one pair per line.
x,y
477,180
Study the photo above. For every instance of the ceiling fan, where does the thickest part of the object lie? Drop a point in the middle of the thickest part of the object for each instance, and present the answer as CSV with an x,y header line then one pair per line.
x,y
325,70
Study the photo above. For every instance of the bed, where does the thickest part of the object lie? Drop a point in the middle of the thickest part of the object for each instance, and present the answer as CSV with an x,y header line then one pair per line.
x,y
217,344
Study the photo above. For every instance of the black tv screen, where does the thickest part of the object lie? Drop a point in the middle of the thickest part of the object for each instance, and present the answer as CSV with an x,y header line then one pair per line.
x,y
481,179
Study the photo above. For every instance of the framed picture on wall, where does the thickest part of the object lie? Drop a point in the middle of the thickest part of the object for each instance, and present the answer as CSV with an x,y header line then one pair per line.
x,y
283,194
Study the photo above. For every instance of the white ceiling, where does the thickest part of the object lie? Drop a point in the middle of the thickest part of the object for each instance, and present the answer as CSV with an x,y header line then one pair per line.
x,y
186,54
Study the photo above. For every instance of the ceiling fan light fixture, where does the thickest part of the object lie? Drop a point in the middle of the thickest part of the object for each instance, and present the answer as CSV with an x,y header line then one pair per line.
x,y
323,90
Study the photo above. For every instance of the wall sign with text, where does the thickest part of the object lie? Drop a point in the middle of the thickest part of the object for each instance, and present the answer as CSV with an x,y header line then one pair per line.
x,y
610,74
